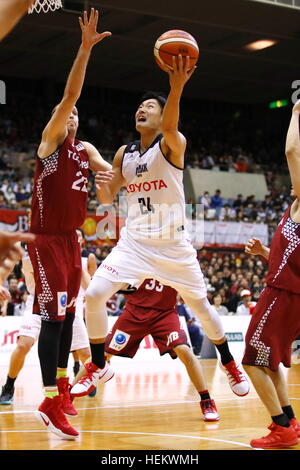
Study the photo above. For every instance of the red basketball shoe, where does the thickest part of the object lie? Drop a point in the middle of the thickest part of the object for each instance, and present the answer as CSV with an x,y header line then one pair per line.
x,y
278,438
91,379
51,415
237,380
294,423
64,389
209,410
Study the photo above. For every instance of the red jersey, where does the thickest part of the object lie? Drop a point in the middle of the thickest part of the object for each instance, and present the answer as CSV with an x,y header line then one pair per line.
x,y
60,190
152,294
284,258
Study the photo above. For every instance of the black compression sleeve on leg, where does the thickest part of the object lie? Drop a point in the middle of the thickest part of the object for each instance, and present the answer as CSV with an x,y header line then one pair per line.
x,y
66,341
98,357
225,354
48,347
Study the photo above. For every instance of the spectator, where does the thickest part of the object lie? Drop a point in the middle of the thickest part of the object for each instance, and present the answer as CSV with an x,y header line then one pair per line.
x,y
217,202
246,307
227,213
241,165
238,202
217,305
205,199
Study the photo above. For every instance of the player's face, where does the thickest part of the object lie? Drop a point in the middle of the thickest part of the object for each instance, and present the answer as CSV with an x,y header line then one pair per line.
x,y
73,121
148,115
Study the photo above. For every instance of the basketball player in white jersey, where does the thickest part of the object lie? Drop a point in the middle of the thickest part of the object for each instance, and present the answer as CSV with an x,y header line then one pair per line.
x,y
11,11
31,325
154,243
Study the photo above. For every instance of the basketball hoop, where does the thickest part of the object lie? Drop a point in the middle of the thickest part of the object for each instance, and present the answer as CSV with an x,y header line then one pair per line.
x,y
45,6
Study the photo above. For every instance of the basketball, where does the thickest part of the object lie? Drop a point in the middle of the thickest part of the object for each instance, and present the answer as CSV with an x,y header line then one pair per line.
x,y
175,42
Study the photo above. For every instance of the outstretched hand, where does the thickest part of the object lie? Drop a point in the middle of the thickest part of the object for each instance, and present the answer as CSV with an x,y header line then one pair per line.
x,y
103,177
88,26
180,72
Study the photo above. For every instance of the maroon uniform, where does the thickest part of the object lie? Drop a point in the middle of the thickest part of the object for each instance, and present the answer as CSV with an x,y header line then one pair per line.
x,y
276,320
58,208
149,311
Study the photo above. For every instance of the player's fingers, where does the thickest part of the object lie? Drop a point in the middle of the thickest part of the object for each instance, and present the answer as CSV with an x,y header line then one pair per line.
x,y
187,64
191,71
180,63
102,181
107,172
80,23
104,174
174,63
101,36
85,18
23,237
96,18
92,14
166,68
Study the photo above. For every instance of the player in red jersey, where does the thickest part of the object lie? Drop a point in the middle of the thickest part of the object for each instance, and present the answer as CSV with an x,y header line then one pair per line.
x,y
11,11
276,323
151,311
58,207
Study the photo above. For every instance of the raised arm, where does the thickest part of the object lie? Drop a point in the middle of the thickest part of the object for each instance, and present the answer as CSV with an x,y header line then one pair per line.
x,y
11,11
97,162
109,183
56,130
292,149
173,142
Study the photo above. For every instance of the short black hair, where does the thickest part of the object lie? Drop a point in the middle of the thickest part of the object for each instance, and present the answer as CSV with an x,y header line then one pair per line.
x,y
156,95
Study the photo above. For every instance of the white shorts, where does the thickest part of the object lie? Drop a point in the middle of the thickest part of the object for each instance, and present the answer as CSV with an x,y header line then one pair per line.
x,y
173,264
80,338
31,325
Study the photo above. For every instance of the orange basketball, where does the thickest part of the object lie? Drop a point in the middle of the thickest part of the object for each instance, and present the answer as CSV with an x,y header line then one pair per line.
x,y
175,42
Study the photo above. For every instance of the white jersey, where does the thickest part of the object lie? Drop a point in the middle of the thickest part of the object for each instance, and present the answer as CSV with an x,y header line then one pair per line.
x,y
155,194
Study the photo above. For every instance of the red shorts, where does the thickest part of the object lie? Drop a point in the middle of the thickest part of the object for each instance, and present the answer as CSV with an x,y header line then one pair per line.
x,y
136,322
274,326
56,261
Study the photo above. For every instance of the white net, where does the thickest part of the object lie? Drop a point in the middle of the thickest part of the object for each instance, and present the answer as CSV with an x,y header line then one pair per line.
x,y
45,6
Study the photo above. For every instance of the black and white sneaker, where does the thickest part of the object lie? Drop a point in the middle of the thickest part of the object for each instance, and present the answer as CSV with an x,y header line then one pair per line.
x,y
7,396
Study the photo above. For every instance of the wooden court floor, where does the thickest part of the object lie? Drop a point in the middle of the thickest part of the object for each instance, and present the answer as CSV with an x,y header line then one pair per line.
x,y
147,405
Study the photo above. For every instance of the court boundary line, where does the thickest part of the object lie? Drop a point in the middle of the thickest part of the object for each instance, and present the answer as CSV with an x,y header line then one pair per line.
x,y
136,433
